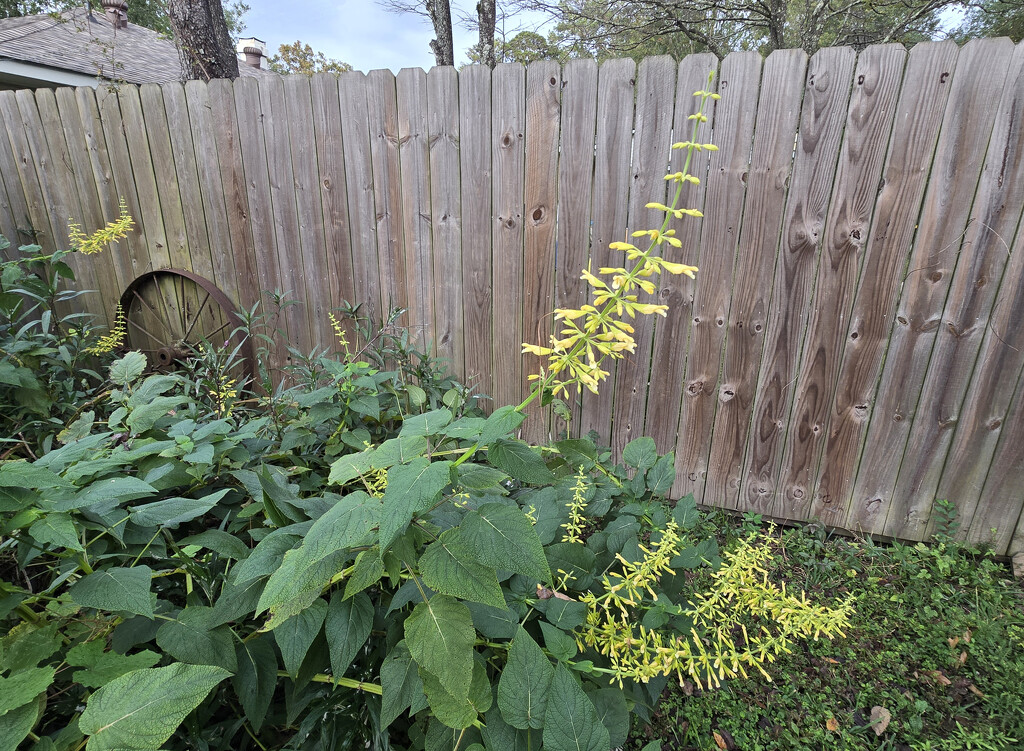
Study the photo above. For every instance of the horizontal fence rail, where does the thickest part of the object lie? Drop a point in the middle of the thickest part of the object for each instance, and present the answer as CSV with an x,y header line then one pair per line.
x,y
851,349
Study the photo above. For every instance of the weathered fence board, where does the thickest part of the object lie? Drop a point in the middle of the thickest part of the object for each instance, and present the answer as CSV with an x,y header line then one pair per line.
x,y
851,349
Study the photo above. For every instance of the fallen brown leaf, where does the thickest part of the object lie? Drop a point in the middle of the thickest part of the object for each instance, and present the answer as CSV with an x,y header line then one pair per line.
x,y
832,724
976,691
962,659
880,718
967,636
719,740
953,641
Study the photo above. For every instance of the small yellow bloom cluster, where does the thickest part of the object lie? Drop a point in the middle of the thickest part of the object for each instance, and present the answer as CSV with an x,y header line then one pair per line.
x,y
598,331
99,239
114,339
223,394
376,482
719,645
339,332
574,527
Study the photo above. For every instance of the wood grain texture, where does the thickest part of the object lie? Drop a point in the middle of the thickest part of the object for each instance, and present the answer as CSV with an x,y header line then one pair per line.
x,y
771,163
983,256
382,111
826,95
543,113
876,88
725,194
475,159
898,203
414,151
91,216
16,224
309,240
652,142
330,156
276,123
19,161
1002,489
609,205
508,157
959,154
671,334
446,215
359,187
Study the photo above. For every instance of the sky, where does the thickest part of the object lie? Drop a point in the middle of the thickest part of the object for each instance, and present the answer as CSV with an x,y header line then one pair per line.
x,y
358,32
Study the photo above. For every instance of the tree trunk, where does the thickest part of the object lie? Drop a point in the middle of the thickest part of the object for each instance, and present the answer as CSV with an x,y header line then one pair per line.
x,y
204,45
440,13
486,18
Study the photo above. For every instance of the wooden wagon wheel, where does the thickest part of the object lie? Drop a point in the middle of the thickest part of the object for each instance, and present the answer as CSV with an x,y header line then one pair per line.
x,y
169,312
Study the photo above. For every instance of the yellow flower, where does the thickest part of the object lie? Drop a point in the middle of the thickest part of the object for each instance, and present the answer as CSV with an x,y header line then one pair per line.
x,y
98,240
114,339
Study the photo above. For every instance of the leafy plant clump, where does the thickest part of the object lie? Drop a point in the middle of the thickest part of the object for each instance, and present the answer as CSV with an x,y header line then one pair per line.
x,y
356,557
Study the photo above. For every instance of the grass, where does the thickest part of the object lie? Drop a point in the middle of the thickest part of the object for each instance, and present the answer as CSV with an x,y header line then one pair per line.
x,y
937,644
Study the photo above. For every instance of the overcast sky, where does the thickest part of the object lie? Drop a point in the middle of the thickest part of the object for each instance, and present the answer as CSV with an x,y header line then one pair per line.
x,y
358,32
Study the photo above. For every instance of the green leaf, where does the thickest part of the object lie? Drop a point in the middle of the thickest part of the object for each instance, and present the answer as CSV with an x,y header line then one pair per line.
x,y
58,530
100,666
116,589
640,453
399,450
224,544
295,586
411,487
479,476
16,724
23,687
256,678
266,557
144,417
190,638
610,704
685,512
401,685
449,568
296,634
566,614
25,475
128,368
576,560
561,646
28,644
501,424
494,623
173,511
520,461
140,710
501,536
458,713
498,735
368,571
524,684
662,475
578,452
440,636
621,530
571,722
425,424
347,628
120,489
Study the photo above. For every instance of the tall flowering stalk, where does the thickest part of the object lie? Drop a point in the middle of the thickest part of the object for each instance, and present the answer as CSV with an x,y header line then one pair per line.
x,y
601,330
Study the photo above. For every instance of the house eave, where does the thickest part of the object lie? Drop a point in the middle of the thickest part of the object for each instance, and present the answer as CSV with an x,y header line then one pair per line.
x,y
18,74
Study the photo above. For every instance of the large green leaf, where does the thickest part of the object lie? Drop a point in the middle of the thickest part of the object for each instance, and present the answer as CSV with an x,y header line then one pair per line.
x,y
610,704
685,512
16,724
427,423
501,536
306,570
144,417
347,627
525,683
23,687
500,424
401,685
440,635
662,475
58,530
450,568
126,369
173,511
411,487
140,710
576,560
191,638
265,558
296,634
256,678
640,453
100,666
498,735
520,461
571,722
458,713
29,475
116,589
120,489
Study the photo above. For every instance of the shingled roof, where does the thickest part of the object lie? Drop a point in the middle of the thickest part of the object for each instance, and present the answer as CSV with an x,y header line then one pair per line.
x,y
84,43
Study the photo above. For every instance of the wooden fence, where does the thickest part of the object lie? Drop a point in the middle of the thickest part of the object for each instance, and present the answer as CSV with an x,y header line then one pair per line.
x,y
853,345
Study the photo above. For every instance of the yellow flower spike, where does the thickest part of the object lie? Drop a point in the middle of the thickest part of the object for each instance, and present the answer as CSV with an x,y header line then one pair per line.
x,y
623,245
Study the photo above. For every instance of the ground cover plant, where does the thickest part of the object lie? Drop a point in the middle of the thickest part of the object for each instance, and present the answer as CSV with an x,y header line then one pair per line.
x,y
354,555
933,659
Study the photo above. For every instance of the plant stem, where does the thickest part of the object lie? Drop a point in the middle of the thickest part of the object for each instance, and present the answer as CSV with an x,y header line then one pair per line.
x,y
370,688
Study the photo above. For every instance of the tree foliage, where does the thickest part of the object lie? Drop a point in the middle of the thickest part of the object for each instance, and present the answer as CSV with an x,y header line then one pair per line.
x,y
301,58
993,18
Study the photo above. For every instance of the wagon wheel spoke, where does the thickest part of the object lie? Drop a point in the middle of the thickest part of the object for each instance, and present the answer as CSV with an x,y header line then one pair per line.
x,y
195,318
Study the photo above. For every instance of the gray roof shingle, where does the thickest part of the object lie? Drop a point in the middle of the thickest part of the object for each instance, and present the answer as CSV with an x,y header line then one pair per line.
x,y
88,43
